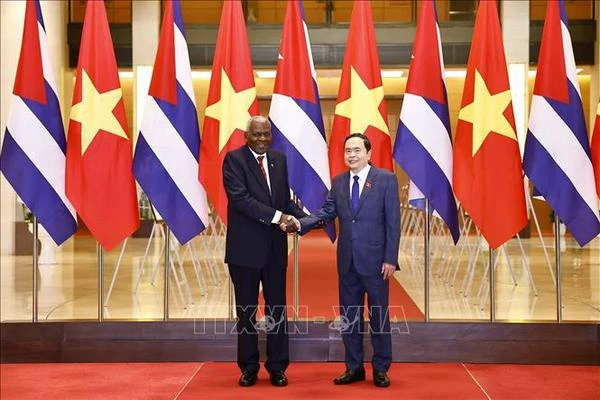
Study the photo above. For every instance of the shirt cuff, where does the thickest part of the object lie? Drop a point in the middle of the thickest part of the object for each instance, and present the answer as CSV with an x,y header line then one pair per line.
x,y
276,217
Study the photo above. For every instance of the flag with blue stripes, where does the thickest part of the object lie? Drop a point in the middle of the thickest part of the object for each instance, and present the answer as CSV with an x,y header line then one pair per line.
x,y
557,156
34,146
295,114
165,162
423,146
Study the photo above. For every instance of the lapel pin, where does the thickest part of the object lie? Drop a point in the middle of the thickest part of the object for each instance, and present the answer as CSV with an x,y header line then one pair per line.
x,y
368,184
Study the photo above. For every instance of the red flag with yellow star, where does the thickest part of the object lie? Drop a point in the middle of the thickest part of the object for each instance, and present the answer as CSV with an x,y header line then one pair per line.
x,y
360,106
230,104
99,178
487,177
596,149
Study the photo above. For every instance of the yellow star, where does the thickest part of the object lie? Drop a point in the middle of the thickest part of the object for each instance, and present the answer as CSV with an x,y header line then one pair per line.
x,y
486,113
362,107
231,110
95,112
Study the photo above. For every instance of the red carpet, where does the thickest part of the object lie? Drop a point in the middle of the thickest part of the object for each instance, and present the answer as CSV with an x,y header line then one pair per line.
x,y
548,382
216,381
94,381
314,381
318,285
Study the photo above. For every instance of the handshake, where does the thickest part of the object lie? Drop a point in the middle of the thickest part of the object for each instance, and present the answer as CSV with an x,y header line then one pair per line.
x,y
289,223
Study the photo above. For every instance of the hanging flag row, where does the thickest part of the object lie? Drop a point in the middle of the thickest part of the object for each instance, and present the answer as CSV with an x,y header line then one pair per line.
x,y
92,172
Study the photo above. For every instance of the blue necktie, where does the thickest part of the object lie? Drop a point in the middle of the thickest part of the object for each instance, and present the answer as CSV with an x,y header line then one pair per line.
x,y
355,196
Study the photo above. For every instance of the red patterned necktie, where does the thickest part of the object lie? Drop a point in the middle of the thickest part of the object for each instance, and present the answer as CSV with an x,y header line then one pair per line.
x,y
260,164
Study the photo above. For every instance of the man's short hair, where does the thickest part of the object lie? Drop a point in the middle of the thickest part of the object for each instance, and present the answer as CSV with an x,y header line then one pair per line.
x,y
365,139
257,118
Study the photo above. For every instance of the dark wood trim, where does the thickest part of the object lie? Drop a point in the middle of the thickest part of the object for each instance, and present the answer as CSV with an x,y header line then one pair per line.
x,y
543,343
328,43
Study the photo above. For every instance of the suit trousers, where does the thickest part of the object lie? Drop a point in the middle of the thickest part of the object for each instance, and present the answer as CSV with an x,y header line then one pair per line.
x,y
352,289
246,286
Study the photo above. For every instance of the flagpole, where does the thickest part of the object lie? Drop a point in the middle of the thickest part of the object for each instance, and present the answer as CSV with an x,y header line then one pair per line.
x,y
34,317
100,252
558,277
492,297
427,259
166,283
296,272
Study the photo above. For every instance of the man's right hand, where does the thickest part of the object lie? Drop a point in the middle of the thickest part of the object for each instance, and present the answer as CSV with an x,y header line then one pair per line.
x,y
288,223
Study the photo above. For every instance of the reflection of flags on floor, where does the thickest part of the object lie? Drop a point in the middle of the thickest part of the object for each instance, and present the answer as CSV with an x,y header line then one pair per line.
x,y
230,104
99,177
557,155
295,114
360,106
33,151
166,155
487,175
423,145
596,149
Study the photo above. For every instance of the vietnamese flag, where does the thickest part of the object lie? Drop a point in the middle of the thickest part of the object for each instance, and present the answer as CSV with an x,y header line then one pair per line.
x,y
487,176
99,178
596,149
360,106
230,104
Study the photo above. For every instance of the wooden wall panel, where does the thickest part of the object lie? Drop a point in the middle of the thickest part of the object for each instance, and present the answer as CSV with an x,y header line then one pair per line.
x,y
117,11
576,9
201,12
383,10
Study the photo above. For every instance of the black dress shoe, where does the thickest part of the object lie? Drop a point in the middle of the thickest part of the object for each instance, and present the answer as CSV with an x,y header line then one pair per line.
x,y
380,379
248,378
278,379
350,376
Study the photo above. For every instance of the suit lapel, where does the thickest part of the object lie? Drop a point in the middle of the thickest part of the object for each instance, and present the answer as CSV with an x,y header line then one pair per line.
x,y
255,168
346,190
367,188
273,171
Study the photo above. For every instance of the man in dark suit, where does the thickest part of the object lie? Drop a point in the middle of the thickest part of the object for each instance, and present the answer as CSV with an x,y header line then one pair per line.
x,y
256,183
365,200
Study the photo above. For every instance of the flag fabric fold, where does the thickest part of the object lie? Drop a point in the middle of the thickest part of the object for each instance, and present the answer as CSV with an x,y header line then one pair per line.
x,y
423,146
360,106
166,156
487,174
34,146
230,103
557,155
295,114
99,178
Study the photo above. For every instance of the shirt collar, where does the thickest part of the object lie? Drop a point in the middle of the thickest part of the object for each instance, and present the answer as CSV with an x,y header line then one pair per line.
x,y
362,175
256,154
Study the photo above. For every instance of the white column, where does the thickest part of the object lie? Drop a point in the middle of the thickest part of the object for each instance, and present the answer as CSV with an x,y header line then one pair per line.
x,y
515,34
145,30
13,14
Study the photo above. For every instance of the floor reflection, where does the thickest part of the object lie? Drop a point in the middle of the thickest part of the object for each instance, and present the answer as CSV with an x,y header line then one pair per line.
x,y
200,287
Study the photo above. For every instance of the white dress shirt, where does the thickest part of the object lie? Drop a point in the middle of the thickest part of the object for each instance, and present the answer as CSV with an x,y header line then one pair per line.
x,y
265,164
362,178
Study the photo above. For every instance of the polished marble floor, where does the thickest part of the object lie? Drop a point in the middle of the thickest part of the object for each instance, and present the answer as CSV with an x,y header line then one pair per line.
x,y
200,287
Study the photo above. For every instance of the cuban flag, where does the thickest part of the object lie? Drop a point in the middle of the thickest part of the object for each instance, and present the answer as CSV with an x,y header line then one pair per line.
x,y
165,162
557,156
34,147
295,114
423,146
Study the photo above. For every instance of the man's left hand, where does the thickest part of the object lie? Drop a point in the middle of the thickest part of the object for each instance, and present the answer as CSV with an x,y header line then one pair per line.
x,y
387,270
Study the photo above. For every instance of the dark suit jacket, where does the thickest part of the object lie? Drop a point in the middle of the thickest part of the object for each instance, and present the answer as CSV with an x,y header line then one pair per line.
x,y
250,233
370,236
